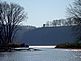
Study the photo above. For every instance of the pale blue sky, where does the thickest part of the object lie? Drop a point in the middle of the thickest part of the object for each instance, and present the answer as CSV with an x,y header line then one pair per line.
x,y
41,11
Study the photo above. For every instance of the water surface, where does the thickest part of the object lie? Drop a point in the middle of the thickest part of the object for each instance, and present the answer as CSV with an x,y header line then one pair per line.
x,y
46,54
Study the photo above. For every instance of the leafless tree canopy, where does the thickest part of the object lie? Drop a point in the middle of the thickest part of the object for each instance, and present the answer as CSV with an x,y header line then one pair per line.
x,y
74,11
60,22
10,16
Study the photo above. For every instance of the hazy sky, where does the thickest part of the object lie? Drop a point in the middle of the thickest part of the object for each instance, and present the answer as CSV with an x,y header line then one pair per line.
x,y
41,11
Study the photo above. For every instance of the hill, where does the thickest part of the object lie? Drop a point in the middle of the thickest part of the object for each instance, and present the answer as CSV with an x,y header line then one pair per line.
x,y
45,35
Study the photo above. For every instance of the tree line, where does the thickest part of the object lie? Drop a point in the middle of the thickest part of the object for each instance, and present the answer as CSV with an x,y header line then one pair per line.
x,y
61,22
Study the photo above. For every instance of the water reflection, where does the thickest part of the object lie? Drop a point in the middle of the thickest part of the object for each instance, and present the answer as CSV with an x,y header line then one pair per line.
x,y
43,55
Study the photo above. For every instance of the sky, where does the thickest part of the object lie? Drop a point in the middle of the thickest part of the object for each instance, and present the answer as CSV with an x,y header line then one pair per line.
x,y
41,11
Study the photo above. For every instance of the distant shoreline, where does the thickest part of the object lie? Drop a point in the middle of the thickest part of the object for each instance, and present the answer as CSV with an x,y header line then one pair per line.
x,y
69,46
42,46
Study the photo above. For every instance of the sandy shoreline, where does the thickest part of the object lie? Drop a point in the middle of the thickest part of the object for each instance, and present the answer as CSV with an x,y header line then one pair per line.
x,y
42,46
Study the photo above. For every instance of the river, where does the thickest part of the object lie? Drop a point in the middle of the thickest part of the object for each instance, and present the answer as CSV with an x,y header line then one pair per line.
x,y
45,54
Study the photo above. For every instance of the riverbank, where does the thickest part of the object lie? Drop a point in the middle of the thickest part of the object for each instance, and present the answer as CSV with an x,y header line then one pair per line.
x,y
11,46
69,46
47,46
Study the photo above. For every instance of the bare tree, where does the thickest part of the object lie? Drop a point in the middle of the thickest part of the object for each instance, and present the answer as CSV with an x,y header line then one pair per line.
x,y
10,16
75,12
48,24
54,23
